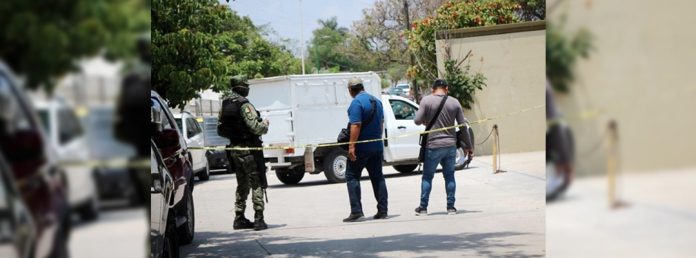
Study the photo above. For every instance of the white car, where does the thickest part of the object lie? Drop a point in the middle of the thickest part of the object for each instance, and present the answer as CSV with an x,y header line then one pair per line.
x,y
193,133
67,135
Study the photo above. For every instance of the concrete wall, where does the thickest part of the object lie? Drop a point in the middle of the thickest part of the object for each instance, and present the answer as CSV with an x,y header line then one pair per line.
x,y
514,65
640,73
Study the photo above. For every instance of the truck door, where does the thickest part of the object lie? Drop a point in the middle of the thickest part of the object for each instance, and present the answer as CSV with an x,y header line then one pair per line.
x,y
399,121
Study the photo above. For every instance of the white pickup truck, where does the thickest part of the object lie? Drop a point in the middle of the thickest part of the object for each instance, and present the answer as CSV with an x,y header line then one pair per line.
x,y
312,109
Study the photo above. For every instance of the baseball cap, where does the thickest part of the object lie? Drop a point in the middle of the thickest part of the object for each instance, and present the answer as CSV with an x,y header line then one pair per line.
x,y
439,83
354,81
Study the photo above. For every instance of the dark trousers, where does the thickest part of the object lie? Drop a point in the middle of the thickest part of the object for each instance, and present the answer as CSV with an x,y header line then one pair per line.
x,y
371,160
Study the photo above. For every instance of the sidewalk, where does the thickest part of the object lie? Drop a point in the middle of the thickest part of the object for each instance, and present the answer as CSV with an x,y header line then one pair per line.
x,y
659,221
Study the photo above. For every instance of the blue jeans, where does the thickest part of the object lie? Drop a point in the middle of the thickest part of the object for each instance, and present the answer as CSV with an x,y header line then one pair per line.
x,y
372,160
446,157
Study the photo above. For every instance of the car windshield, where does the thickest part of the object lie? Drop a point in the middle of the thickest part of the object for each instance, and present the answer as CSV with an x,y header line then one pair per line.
x,y
395,91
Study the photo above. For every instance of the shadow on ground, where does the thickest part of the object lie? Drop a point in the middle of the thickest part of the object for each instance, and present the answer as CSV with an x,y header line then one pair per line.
x,y
247,244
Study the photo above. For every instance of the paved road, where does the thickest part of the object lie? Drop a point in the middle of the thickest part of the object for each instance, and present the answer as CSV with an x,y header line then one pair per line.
x,y
499,215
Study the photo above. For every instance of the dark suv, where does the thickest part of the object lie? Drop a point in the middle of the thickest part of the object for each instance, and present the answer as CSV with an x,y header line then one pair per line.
x,y
40,181
16,226
172,146
163,236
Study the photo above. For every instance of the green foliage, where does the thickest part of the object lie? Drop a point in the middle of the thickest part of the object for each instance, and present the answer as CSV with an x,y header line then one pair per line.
x,y
562,52
463,83
453,15
323,52
43,39
200,44
532,9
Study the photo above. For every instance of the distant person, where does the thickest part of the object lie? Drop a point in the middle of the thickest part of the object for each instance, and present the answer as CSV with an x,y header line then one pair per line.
x,y
239,122
366,122
441,145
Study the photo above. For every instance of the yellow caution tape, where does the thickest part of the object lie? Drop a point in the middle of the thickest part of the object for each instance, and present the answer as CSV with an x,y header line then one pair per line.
x,y
287,147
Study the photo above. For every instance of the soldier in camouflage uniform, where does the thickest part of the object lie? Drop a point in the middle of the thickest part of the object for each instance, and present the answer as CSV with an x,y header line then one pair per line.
x,y
240,122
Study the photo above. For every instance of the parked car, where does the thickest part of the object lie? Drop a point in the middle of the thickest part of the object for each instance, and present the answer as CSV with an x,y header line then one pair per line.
x,y
68,138
311,109
217,159
40,181
113,182
193,133
163,237
395,91
172,146
17,229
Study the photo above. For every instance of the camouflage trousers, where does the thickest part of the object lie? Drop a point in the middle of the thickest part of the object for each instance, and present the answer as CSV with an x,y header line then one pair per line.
x,y
247,180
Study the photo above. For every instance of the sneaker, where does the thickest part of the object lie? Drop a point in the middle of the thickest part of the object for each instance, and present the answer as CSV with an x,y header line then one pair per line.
x,y
451,211
421,211
260,225
242,223
380,215
353,217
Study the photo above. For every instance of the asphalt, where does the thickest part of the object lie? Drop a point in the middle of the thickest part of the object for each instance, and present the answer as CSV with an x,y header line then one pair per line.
x,y
500,215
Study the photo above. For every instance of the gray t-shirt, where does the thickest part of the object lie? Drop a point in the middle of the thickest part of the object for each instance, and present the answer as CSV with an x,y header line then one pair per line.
x,y
451,111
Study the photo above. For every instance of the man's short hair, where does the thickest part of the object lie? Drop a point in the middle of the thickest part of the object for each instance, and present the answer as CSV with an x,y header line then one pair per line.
x,y
439,83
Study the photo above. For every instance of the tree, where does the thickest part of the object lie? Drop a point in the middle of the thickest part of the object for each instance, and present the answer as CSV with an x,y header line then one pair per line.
x,y
200,44
453,15
562,52
325,41
43,39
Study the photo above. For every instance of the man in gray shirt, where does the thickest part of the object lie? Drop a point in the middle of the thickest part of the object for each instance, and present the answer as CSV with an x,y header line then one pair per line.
x,y
441,146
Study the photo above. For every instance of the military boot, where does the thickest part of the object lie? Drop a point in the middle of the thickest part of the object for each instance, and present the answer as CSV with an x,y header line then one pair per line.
x,y
240,222
259,224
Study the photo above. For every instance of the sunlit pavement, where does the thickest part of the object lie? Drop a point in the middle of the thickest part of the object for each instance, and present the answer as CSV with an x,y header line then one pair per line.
x,y
117,234
659,219
499,215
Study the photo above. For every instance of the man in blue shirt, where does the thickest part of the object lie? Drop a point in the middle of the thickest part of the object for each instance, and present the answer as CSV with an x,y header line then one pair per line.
x,y
366,123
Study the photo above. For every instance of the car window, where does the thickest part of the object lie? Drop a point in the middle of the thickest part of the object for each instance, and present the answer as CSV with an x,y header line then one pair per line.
x,y
191,128
403,110
69,127
44,117
19,114
178,123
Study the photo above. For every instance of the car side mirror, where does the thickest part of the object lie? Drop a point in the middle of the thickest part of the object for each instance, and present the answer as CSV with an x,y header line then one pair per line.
x,y
168,142
24,145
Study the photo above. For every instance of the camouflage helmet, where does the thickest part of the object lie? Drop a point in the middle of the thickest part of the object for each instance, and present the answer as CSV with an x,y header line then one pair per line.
x,y
239,80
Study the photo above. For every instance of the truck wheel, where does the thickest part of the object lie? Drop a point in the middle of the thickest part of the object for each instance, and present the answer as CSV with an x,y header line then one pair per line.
x,y
460,159
405,169
205,174
186,231
335,165
290,176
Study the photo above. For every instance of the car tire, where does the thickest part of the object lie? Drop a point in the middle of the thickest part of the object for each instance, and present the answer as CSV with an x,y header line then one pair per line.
x,y
205,174
405,169
186,231
290,176
171,245
89,211
335,166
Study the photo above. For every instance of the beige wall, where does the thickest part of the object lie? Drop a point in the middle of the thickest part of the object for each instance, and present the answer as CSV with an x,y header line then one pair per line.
x,y
642,73
514,65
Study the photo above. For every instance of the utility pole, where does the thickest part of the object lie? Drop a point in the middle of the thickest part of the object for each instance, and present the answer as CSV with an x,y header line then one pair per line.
x,y
414,87
302,38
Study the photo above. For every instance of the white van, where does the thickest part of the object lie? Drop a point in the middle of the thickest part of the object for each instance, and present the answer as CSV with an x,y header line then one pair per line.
x,y
194,136
68,136
312,109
